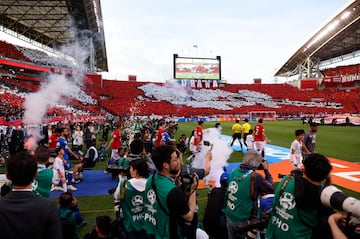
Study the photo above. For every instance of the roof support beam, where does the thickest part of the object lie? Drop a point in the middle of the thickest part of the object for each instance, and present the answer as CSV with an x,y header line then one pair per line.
x,y
309,69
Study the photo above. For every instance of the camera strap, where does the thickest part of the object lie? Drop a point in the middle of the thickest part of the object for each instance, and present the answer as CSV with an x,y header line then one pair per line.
x,y
252,182
122,192
283,186
252,186
153,186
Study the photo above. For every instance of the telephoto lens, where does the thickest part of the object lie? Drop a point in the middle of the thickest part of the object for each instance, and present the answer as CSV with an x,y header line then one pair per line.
x,y
334,198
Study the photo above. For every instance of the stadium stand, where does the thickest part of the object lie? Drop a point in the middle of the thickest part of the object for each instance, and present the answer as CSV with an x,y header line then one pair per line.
x,y
9,50
42,58
143,98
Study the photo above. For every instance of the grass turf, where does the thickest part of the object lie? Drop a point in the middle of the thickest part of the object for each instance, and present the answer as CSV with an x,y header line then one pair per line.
x,y
334,141
339,142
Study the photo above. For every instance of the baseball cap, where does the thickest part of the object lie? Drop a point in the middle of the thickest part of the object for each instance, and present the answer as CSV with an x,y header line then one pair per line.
x,y
224,178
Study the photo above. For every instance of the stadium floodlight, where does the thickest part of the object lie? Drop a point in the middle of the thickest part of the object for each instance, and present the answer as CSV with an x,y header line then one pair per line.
x,y
325,32
345,15
332,25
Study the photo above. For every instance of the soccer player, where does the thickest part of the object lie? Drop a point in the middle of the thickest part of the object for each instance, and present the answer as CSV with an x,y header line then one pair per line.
x,y
297,149
198,136
260,137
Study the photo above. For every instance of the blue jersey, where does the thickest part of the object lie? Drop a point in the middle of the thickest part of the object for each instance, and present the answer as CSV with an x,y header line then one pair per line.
x,y
166,137
62,143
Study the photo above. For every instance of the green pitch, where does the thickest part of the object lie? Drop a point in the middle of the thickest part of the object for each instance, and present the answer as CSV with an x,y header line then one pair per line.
x,y
333,141
339,142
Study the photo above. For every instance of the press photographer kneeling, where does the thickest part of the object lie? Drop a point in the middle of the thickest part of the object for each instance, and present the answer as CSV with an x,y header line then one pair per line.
x,y
245,187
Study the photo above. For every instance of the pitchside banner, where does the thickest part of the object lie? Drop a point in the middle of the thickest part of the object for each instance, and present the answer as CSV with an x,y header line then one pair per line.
x,y
339,79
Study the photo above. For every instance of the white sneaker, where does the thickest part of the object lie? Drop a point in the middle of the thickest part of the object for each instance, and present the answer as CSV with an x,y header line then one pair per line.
x,y
56,188
71,187
75,181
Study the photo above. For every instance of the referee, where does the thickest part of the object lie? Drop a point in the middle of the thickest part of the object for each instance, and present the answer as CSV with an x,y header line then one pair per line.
x,y
236,133
245,130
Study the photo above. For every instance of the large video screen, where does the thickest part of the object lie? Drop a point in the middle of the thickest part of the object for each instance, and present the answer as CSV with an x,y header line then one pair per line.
x,y
197,68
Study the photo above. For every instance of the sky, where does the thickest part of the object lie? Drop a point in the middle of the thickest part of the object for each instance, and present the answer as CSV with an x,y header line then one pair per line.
x,y
254,38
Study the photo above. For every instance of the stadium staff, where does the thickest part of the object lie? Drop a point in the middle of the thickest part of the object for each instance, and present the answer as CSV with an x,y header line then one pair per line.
x,y
310,138
22,213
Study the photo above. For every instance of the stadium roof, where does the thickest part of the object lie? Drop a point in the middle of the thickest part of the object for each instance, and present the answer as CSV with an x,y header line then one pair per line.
x,y
49,23
337,40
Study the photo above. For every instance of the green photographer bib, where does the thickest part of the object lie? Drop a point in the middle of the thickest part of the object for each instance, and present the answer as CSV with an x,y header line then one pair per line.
x,y
287,221
238,201
156,215
133,208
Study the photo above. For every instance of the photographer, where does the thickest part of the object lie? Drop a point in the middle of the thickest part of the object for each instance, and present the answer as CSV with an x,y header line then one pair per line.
x,y
166,207
69,214
245,186
200,172
346,222
184,180
333,221
131,197
297,208
214,219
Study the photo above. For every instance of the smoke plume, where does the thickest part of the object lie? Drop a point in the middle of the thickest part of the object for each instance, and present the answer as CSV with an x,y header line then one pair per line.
x,y
56,86
220,154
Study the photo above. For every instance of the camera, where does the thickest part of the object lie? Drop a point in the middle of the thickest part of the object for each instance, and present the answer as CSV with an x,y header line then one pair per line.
x,y
265,205
253,224
176,126
186,177
250,224
261,167
334,198
294,173
207,143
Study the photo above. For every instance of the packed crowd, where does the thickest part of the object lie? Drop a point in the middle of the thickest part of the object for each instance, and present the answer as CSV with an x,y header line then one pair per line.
x,y
156,195
214,99
13,96
173,98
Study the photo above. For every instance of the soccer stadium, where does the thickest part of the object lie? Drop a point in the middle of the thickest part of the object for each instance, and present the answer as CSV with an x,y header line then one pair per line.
x,y
60,84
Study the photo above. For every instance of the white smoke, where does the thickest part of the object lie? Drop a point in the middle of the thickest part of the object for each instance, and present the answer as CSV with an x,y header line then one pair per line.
x,y
220,154
36,104
177,90
56,87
